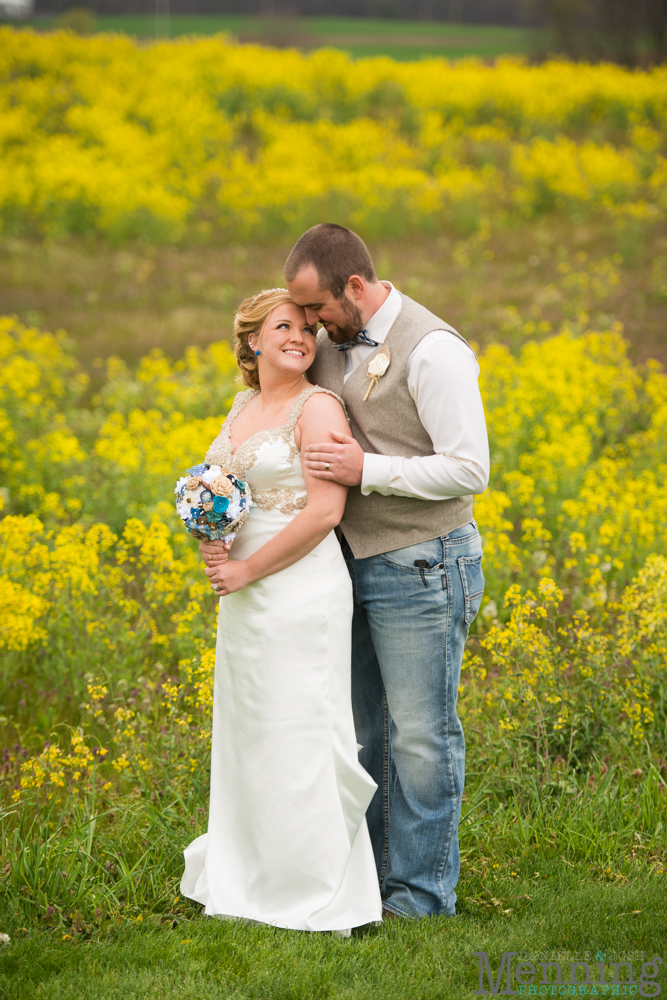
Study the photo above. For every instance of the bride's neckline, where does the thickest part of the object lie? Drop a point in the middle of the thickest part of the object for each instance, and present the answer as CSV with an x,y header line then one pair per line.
x,y
265,430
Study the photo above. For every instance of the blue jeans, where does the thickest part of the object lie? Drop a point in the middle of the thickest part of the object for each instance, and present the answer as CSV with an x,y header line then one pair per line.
x,y
412,610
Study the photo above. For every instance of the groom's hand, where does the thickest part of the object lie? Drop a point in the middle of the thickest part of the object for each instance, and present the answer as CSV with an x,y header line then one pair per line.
x,y
345,459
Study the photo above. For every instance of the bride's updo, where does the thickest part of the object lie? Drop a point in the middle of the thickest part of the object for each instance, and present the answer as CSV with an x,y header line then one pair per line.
x,y
250,317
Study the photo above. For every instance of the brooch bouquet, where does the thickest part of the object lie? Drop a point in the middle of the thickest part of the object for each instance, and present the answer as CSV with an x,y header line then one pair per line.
x,y
212,503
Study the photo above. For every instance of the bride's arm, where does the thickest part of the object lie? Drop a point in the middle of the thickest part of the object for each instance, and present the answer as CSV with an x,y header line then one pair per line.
x,y
321,415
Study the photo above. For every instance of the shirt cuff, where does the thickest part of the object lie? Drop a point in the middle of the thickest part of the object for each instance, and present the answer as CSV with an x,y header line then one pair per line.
x,y
376,475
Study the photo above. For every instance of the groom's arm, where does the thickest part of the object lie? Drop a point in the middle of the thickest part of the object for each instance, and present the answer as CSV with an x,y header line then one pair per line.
x,y
443,382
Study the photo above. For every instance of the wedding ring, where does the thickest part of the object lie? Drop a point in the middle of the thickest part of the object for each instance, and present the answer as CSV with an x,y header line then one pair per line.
x,y
326,466
215,586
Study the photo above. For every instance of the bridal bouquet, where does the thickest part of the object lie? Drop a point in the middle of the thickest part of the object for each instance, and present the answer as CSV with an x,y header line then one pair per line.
x,y
212,503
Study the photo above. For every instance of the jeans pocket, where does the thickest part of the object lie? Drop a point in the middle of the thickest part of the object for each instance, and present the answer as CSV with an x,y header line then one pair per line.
x,y
425,554
472,581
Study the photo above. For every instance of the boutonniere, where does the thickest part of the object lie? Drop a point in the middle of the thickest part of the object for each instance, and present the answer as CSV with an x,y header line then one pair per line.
x,y
377,366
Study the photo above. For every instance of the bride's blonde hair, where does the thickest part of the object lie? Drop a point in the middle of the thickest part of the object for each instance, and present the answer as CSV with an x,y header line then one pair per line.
x,y
250,317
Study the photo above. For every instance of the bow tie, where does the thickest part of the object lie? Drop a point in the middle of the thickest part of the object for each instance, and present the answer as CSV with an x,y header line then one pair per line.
x,y
361,338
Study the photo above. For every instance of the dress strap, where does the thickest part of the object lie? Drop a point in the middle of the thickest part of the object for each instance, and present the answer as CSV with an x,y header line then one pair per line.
x,y
241,400
297,406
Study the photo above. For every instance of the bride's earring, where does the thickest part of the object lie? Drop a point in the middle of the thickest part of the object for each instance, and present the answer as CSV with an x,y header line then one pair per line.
x,y
256,352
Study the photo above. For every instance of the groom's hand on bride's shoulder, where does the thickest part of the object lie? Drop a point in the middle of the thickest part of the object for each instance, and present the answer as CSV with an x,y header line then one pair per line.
x,y
340,462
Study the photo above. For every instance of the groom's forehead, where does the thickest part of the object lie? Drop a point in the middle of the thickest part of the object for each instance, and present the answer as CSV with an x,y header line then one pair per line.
x,y
306,282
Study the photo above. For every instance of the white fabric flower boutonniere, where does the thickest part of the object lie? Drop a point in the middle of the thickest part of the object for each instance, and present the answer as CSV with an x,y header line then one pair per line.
x,y
377,366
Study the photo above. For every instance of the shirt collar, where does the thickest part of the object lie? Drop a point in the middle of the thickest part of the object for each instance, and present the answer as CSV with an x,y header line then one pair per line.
x,y
381,322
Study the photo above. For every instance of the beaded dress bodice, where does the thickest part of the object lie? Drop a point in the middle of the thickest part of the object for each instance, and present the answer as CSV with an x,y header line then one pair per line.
x,y
268,460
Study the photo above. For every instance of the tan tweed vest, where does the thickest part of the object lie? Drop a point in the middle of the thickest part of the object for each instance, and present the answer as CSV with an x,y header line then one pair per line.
x,y
387,423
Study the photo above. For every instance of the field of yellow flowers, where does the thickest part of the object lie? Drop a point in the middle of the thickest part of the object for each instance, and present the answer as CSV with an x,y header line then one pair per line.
x,y
107,624
196,137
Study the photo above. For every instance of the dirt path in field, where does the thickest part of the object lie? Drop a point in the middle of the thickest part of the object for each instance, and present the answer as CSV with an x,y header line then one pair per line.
x,y
520,284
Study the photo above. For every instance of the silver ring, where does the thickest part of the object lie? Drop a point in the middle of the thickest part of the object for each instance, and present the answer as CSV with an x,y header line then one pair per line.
x,y
215,586
326,466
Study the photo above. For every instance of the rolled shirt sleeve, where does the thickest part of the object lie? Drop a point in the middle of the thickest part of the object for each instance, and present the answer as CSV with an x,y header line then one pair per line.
x,y
443,380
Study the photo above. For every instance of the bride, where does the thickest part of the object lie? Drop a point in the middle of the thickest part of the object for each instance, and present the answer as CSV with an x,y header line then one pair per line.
x,y
287,842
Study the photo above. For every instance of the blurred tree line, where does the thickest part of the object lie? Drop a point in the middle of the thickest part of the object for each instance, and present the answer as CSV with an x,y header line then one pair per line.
x,y
508,12
631,32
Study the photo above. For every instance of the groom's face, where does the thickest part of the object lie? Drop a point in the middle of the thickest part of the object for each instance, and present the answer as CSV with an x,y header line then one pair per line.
x,y
341,318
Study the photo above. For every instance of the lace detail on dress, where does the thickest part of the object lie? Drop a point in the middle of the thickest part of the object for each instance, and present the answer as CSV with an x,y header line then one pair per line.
x,y
220,451
245,456
286,501
297,407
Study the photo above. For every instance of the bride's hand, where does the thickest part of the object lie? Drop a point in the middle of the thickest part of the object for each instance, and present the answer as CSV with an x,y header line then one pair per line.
x,y
215,553
225,578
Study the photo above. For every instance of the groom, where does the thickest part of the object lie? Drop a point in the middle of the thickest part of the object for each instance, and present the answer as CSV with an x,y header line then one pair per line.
x,y
418,453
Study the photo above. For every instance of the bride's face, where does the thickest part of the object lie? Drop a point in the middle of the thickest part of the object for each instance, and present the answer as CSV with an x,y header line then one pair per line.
x,y
287,341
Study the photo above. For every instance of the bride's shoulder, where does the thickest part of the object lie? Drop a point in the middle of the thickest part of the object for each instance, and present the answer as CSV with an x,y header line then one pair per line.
x,y
318,400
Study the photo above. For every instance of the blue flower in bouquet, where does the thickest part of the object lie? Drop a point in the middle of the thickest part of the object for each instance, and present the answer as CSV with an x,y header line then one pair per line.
x,y
220,504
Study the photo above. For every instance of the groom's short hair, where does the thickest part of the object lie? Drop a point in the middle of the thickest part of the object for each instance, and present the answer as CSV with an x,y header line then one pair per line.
x,y
335,252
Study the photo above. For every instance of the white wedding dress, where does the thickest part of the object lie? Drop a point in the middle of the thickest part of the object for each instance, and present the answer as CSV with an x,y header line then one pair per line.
x,y
287,842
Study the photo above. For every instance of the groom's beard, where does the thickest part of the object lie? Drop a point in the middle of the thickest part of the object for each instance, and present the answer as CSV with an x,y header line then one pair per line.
x,y
340,333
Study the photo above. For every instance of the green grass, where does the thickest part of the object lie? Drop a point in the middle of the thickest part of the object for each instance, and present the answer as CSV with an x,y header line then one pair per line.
x,y
359,36
562,911
577,870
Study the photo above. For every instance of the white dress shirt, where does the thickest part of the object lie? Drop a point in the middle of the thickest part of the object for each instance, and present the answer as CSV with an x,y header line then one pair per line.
x,y
443,381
